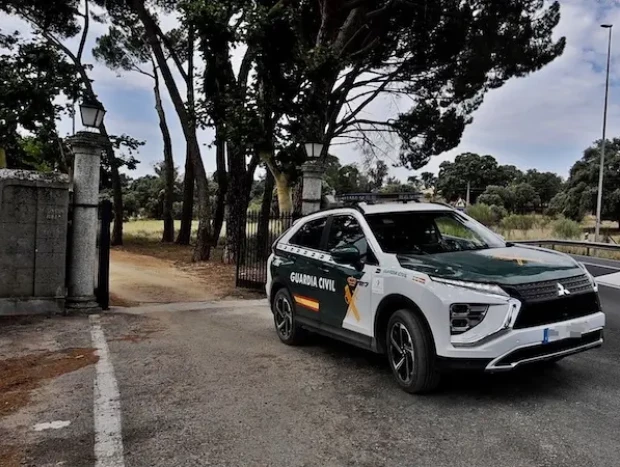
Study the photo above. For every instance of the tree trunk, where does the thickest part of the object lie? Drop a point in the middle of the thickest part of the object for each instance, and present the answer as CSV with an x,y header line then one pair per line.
x,y
262,235
203,247
237,200
2,159
222,185
117,191
187,212
285,194
168,235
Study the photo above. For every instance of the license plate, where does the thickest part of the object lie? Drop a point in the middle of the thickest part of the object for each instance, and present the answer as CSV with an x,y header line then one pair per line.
x,y
563,332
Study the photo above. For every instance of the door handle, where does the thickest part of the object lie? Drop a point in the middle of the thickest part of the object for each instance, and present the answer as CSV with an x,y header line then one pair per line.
x,y
325,269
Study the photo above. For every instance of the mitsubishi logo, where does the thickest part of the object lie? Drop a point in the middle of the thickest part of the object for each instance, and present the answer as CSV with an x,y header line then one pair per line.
x,y
562,291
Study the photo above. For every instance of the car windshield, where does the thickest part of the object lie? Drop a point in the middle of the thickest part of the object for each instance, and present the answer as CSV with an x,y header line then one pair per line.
x,y
430,233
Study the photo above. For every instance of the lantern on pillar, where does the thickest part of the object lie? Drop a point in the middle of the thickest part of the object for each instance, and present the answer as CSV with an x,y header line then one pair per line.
x,y
313,150
92,113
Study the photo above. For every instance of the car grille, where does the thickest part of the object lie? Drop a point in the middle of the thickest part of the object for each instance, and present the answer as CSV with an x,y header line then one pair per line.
x,y
547,290
542,305
543,350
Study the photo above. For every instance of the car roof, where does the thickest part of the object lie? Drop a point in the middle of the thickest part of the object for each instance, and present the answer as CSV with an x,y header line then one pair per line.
x,y
400,207
364,208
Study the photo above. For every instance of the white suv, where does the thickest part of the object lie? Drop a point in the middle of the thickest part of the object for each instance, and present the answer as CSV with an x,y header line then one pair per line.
x,y
431,288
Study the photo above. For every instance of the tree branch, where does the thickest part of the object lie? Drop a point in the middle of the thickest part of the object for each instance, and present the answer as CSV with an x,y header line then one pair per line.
x,y
84,32
244,69
175,57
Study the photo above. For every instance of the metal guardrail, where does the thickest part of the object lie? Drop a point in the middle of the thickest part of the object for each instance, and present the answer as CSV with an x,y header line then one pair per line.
x,y
573,243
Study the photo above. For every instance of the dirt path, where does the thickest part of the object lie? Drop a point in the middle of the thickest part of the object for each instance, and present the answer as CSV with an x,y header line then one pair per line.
x,y
137,278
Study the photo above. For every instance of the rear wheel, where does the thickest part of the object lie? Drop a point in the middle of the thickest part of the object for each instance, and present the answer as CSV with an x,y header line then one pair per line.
x,y
411,353
284,318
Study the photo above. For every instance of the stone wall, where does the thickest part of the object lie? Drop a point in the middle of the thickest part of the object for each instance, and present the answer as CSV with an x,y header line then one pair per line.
x,y
33,241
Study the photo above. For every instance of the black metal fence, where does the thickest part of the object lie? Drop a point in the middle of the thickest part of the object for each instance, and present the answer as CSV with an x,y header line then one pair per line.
x,y
255,247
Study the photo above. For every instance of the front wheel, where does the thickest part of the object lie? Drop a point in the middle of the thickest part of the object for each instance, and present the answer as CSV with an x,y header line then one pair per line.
x,y
411,353
284,318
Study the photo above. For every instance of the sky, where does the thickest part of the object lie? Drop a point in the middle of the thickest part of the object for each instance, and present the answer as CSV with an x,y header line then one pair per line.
x,y
542,121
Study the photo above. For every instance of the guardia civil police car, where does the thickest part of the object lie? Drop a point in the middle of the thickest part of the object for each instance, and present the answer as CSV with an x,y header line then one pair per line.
x,y
431,288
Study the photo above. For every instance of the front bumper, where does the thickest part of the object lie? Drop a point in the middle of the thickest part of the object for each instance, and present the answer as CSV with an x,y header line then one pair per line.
x,y
514,347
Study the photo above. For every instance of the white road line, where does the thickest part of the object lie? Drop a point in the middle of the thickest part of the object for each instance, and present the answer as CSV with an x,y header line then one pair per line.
x,y
107,405
55,425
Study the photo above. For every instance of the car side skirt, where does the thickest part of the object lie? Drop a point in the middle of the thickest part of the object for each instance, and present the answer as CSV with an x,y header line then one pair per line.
x,y
340,334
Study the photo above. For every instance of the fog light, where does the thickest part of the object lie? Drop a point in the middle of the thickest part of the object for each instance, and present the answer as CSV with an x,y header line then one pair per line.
x,y
464,316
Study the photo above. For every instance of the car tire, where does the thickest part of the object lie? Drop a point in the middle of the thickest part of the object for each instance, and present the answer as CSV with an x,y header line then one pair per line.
x,y
284,320
411,353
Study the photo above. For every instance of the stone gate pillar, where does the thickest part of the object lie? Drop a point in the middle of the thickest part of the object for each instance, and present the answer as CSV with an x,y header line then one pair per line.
x,y
87,148
312,184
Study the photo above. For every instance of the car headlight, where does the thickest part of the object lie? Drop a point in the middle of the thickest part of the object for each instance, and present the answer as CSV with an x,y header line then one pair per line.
x,y
590,277
490,289
464,316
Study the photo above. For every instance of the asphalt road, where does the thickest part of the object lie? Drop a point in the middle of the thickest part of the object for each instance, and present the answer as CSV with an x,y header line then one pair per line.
x,y
216,387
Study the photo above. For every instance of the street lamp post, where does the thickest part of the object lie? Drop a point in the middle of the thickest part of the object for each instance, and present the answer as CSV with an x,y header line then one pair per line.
x,y
599,200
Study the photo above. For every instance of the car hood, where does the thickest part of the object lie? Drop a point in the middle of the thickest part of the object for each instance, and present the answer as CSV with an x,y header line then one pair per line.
x,y
509,265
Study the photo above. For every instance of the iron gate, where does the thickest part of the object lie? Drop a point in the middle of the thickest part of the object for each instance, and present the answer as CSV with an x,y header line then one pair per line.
x,y
257,237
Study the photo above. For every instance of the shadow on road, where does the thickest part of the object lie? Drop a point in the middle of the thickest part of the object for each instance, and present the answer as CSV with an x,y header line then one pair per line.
x,y
526,383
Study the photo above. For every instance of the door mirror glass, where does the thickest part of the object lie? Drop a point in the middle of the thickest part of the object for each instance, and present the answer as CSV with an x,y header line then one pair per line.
x,y
347,254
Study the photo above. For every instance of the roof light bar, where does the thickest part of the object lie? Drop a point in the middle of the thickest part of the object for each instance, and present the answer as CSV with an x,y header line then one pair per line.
x,y
373,198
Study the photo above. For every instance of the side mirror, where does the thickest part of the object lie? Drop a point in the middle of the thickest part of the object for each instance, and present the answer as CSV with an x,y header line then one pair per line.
x,y
346,255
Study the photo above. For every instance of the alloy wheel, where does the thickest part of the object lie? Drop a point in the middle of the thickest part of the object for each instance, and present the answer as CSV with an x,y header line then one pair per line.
x,y
283,317
401,352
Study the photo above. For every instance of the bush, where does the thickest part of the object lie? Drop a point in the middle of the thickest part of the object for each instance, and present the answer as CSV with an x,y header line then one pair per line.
x,y
544,221
499,212
490,200
482,213
557,205
566,228
518,222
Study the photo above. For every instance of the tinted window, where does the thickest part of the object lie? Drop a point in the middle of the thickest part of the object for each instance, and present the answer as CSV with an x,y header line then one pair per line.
x,y
309,235
345,230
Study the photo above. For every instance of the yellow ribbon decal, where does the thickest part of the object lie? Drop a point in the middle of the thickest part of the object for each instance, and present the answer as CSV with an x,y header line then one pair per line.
x,y
348,297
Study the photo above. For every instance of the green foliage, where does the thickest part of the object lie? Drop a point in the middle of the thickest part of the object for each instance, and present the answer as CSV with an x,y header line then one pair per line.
x,y
490,200
518,222
546,184
493,42
57,16
557,205
482,213
144,196
498,196
483,173
396,186
343,179
579,196
33,78
498,212
566,228
429,180
525,198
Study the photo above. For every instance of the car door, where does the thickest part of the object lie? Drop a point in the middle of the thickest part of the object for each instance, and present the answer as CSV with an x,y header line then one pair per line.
x,y
350,305
304,273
